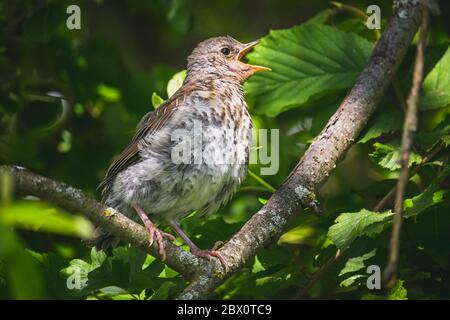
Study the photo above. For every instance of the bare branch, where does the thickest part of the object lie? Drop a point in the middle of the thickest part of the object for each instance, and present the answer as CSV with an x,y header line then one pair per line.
x,y
409,130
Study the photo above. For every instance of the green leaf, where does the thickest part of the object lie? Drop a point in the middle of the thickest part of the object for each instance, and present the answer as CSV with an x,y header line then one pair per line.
x,y
398,292
350,280
39,216
262,201
108,93
351,225
383,122
78,270
257,266
97,258
307,232
436,93
164,291
66,143
298,235
21,269
156,100
175,83
357,263
427,199
429,140
307,61
117,276
388,155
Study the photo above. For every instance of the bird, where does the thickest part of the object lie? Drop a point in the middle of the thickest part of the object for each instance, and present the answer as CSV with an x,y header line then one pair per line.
x,y
191,153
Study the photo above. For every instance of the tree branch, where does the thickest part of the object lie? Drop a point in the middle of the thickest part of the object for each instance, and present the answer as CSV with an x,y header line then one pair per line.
x,y
321,157
409,130
74,200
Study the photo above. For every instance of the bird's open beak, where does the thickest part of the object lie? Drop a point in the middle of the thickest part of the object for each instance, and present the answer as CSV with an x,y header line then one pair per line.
x,y
244,51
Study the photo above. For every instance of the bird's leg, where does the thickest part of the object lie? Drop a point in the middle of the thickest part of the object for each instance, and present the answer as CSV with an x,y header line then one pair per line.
x,y
154,232
196,250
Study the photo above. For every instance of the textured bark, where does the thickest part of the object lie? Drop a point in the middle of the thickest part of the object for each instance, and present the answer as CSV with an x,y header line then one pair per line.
x,y
271,220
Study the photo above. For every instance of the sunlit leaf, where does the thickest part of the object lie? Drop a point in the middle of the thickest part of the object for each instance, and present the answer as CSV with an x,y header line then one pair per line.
x,y
351,225
39,216
307,61
398,292
351,280
156,100
435,86
257,266
430,197
357,263
108,93
388,155
175,83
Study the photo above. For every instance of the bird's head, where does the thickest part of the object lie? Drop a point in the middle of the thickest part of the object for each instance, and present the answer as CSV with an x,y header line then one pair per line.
x,y
221,57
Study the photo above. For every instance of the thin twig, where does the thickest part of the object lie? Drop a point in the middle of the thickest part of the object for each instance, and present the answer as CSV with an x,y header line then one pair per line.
x,y
261,181
409,129
254,188
340,7
383,202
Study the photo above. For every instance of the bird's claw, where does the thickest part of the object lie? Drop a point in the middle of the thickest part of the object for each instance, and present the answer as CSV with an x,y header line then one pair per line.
x,y
218,245
210,254
159,235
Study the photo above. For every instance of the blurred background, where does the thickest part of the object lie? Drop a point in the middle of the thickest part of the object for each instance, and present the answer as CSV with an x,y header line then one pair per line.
x,y
70,101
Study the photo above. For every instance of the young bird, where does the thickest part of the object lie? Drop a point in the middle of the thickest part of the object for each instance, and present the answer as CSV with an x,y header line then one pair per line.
x,y
192,152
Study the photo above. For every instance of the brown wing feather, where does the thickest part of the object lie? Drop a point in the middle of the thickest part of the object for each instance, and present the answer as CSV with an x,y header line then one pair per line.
x,y
150,123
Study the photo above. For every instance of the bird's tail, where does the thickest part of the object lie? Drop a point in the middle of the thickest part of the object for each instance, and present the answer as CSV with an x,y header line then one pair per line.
x,y
102,240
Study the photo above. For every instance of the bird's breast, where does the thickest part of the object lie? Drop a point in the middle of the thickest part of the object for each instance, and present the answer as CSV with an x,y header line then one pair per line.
x,y
199,158
220,132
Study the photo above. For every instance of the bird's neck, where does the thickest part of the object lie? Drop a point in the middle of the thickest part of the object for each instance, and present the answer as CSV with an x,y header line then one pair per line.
x,y
215,83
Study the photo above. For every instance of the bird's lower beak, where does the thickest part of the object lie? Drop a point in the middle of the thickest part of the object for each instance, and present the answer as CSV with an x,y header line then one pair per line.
x,y
243,52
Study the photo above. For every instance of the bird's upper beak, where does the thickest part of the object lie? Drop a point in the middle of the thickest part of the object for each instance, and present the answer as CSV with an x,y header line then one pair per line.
x,y
244,51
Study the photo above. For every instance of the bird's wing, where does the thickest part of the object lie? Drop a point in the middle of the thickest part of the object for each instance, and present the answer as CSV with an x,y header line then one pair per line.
x,y
150,123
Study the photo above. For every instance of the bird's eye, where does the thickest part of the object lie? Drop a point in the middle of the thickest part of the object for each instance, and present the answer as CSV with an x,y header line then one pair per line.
x,y
226,51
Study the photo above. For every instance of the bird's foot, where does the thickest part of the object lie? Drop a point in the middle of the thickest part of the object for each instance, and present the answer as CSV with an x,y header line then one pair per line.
x,y
159,235
198,252
154,232
210,254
